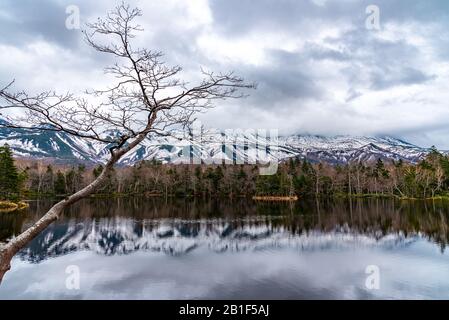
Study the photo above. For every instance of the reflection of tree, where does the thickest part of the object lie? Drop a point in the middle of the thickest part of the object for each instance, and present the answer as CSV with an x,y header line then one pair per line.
x,y
375,216
148,99
10,225
226,220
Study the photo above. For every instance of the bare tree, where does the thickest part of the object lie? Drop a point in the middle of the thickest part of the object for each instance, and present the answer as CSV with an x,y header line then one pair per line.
x,y
147,99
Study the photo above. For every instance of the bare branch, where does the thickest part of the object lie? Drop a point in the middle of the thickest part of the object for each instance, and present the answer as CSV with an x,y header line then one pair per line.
x,y
148,97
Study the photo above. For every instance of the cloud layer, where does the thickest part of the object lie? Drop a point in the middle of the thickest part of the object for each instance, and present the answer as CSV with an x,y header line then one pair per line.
x,y
319,69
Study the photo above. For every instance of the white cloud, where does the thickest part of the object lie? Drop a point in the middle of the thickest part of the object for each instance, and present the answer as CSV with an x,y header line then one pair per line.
x,y
319,70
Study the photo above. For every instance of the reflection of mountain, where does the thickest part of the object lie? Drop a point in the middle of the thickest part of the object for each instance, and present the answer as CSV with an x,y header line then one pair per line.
x,y
176,237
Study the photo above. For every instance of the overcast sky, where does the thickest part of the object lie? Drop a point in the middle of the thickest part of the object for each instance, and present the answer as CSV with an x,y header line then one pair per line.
x,y
319,69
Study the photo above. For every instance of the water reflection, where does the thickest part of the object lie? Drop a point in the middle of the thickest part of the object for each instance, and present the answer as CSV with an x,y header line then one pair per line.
x,y
285,248
110,223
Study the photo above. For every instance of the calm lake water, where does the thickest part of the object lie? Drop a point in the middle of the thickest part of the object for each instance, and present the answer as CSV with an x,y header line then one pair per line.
x,y
184,249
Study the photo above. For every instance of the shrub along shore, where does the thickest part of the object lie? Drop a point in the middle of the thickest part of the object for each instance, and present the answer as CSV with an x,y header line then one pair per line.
x,y
9,206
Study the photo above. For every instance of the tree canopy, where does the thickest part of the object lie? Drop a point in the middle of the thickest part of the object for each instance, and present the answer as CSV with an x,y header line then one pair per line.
x,y
9,176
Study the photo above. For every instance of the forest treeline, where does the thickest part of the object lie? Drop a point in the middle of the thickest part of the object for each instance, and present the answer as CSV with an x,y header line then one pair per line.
x,y
428,178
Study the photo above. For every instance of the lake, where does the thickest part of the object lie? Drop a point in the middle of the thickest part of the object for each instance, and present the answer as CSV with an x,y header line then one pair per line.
x,y
151,248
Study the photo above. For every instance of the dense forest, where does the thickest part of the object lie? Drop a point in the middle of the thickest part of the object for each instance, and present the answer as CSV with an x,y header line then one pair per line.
x,y
429,178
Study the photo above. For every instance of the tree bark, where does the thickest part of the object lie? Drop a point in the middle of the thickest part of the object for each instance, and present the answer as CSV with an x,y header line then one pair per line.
x,y
9,250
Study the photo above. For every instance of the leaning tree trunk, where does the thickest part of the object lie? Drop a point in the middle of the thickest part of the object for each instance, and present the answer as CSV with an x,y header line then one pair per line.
x,y
8,251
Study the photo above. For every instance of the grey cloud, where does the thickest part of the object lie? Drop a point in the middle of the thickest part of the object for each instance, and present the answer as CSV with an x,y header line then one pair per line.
x,y
418,10
363,62
426,134
237,16
352,94
386,63
278,86
319,52
27,20
406,76
286,78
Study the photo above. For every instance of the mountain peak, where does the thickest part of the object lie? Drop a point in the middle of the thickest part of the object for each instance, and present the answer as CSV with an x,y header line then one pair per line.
x,y
338,149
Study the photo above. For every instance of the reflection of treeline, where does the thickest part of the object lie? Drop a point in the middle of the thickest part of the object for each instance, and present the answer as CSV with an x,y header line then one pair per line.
x,y
374,217
428,178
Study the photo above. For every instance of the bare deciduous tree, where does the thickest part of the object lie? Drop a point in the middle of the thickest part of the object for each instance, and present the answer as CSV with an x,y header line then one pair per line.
x,y
147,99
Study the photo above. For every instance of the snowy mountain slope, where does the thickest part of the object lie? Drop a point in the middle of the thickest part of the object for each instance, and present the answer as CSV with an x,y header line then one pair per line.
x,y
214,146
344,149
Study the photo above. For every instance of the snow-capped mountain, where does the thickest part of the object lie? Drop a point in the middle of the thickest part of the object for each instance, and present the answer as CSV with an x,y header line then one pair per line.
x,y
214,146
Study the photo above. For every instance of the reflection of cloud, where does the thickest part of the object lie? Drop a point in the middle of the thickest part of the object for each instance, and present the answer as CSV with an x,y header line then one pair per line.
x,y
415,272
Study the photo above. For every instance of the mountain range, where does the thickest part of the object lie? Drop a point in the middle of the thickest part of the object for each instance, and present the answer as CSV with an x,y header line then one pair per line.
x,y
214,146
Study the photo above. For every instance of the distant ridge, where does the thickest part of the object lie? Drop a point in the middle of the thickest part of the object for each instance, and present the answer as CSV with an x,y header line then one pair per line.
x,y
336,150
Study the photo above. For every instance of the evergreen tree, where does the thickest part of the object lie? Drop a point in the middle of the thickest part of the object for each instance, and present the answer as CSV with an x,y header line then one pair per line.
x,y
49,180
97,171
380,169
60,186
70,180
9,176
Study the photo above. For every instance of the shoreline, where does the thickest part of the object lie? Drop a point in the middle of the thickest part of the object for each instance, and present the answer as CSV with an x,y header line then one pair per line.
x,y
249,197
